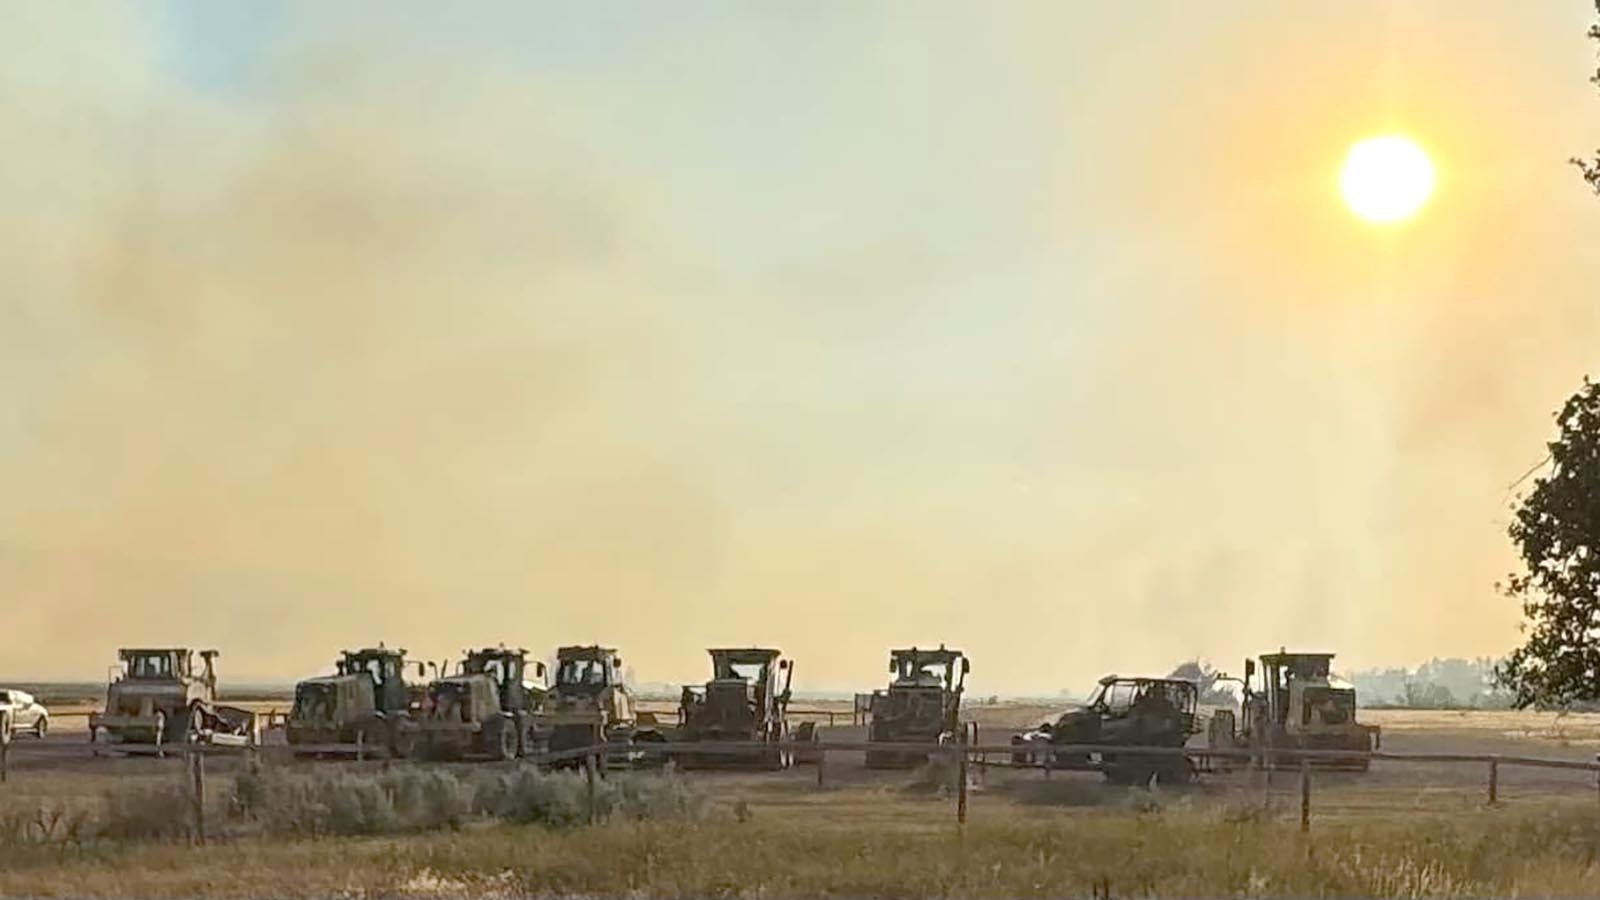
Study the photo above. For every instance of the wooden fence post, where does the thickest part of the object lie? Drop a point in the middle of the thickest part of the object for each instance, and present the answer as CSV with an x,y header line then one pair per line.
x,y
589,767
1494,780
961,789
1305,795
197,771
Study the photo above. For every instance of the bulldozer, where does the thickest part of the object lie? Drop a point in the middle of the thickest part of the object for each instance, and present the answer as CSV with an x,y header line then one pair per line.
x,y
746,700
590,706
367,699
1127,712
921,705
485,709
159,696
1296,704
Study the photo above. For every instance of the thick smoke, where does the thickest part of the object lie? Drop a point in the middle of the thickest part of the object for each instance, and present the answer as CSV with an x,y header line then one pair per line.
x,y
835,340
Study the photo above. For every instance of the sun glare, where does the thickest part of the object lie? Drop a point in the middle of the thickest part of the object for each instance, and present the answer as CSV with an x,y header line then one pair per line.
x,y
1386,179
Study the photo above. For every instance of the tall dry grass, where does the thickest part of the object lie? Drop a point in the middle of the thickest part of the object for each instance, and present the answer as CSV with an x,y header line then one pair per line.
x,y
1115,850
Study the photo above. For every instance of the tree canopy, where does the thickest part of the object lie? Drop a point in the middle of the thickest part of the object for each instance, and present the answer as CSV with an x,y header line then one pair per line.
x,y
1556,528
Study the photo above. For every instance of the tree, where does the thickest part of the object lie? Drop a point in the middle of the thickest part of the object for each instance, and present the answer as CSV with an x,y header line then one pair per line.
x,y
1557,532
1205,679
1591,167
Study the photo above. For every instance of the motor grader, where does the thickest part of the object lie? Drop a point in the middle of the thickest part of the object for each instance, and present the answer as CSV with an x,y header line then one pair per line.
x,y
1296,704
486,709
1122,712
590,706
746,701
159,696
921,705
367,699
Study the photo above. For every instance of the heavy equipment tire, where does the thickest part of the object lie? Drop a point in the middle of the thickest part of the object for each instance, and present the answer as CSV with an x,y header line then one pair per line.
x,y
374,738
502,744
402,740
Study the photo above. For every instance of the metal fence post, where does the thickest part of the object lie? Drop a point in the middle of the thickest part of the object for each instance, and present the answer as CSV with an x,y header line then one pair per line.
x,y
1494,780
1305,795
589,775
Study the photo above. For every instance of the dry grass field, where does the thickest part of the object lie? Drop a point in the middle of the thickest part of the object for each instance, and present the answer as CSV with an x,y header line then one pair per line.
x,y
74,825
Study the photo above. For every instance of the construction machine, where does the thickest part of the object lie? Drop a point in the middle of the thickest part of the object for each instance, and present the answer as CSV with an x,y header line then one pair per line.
x,y
485,709
591,706
746,701
1122,712
159,696
1296,704
367,699
921,705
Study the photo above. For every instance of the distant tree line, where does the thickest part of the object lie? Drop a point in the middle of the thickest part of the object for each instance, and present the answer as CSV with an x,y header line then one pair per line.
x,y
1453,683
1436,684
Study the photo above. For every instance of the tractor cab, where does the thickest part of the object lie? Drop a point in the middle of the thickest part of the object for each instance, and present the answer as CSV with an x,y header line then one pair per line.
x,y
586,671
1299,694
165,679
943,669
167,664
386,670
748,677
507,670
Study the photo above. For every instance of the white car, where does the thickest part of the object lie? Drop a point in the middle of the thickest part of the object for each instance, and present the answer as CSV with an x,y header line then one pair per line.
x,y
27,714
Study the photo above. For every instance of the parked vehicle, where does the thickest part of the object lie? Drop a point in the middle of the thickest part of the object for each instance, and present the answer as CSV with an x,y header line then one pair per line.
x,y
1126,712
1293,702
367,697
921,705
26,714
591,706
160,696
746,701
485,709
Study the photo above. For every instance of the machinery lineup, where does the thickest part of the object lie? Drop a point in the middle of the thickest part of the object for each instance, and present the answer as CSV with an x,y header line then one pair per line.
x,y
494,703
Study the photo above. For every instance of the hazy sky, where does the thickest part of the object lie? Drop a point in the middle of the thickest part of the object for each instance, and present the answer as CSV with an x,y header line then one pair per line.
x,y
1036,329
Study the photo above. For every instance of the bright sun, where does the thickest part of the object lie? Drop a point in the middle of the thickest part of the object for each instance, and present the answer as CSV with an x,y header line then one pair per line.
x,y
1386,179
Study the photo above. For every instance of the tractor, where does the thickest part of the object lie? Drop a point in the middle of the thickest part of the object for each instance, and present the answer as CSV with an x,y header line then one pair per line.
x,y
746,701
367,699
1127,712
1296,704
158,696
922,705
590,706
485,709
